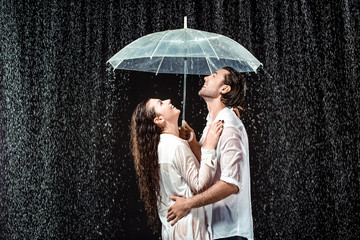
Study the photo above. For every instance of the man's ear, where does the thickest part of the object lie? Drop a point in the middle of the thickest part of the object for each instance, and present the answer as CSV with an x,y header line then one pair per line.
x,y
225,89
158,120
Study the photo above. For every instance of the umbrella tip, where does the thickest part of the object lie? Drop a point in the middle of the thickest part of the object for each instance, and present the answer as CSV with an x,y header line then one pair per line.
x,y
185,22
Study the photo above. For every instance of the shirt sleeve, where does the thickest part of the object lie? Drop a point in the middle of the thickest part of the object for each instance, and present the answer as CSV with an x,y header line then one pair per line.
x,y
233,154
197,176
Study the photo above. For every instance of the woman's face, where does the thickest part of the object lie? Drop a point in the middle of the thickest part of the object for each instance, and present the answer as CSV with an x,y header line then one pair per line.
x,y
164,109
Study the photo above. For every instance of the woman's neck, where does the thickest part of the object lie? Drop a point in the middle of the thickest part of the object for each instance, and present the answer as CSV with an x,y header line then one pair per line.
x,y
171,128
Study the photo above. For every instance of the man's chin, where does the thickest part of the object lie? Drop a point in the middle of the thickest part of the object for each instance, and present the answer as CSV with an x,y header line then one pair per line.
x,y
201,93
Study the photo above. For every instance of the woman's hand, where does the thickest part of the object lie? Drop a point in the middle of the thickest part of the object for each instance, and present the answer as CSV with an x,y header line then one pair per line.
x,y
185,132
213,134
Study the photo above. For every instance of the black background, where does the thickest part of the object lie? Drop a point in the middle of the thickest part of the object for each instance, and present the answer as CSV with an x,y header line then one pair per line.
x,y
66,171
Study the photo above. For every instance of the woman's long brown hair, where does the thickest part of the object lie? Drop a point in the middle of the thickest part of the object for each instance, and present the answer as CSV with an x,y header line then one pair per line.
x,y
144,141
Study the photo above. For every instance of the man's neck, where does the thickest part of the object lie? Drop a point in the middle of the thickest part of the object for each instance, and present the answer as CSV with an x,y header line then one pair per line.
x,y
214,106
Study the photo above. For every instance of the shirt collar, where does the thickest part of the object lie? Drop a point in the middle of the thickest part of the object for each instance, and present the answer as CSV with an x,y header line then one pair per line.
x,y
218,116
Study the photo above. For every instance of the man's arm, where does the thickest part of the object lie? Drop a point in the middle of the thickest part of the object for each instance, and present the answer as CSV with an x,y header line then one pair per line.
x,y
232,161
215,193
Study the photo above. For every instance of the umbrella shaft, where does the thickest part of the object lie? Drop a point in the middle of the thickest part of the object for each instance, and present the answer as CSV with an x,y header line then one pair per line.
x,y
184,92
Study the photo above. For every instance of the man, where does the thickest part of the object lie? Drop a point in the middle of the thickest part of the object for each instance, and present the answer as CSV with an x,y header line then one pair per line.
x,y
230,213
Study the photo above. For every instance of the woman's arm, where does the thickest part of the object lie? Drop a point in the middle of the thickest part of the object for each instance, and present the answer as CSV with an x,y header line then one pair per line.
x,y
195,148
187,133
199,178
210,142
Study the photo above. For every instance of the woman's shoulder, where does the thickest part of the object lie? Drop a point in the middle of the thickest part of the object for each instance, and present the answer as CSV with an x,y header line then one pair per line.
x,y
171,138
169,141
171,146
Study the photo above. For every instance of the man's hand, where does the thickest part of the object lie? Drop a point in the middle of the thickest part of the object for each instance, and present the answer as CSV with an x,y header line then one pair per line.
x,y
178,210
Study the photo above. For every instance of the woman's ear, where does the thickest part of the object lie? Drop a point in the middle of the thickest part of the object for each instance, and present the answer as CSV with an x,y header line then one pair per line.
x,y
225,89
158,120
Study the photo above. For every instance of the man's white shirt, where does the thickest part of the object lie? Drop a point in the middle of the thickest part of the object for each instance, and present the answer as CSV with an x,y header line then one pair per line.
x,y
231,216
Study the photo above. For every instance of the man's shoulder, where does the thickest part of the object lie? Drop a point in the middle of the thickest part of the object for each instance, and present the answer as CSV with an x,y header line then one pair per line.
x,y
230,118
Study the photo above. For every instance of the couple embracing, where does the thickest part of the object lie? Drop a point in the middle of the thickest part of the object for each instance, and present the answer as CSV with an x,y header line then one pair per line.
x,y
198,190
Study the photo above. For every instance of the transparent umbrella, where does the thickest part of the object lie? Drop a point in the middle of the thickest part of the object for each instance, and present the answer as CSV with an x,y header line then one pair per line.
x,y
186,51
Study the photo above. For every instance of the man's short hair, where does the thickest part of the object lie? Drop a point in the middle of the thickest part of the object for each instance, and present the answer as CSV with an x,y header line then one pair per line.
x,y
237,82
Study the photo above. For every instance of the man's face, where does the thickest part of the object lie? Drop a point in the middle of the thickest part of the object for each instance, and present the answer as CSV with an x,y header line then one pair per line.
x,y
213,84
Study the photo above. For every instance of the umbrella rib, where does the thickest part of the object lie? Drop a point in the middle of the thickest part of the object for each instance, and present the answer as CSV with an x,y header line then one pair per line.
x,y
207,62
209,43
158,44
118,64
157,70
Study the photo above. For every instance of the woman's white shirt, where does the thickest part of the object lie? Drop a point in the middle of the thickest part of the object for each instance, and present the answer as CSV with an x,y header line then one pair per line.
x,y
182,175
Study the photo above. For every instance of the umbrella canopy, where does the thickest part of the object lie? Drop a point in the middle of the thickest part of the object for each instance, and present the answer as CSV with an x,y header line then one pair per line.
x,y
186,51
164,52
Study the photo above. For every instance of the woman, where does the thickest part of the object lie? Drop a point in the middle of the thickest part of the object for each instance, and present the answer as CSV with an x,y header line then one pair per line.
x,y
165,166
